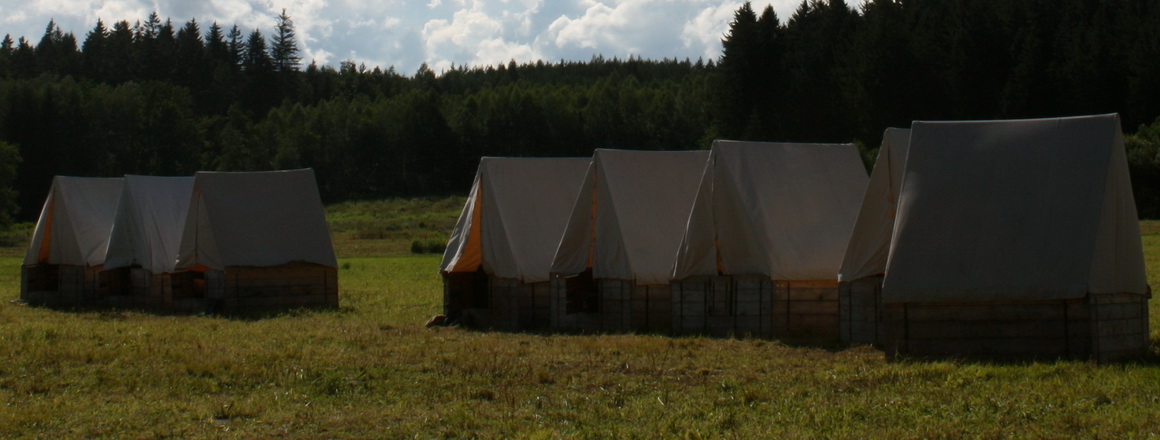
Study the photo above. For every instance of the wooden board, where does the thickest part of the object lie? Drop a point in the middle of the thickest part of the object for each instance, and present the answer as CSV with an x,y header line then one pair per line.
x,y
246,289
1099,327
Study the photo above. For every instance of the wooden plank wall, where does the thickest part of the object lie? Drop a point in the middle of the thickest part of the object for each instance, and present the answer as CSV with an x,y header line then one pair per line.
x,y
858,310
39,283
512,305
1099,327
728,306
245,289
806,311
622,306
64,285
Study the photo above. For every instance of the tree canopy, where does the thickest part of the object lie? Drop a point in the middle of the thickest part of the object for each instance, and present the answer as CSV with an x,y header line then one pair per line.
x,y
154,98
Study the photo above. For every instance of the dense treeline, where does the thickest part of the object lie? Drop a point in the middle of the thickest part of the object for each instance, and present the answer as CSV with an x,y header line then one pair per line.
x,y
155,98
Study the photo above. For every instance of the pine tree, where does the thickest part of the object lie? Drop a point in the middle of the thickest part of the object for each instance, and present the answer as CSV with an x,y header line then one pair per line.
x,y
284,47
192,69
94,51
256,59
120,61
215,44
739,71
237,47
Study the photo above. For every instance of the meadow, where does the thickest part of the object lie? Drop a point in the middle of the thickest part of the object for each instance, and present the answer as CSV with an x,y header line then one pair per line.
x,y
371,370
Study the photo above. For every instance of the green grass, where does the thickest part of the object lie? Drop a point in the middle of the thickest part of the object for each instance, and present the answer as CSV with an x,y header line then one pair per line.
x,y
370,370
391,227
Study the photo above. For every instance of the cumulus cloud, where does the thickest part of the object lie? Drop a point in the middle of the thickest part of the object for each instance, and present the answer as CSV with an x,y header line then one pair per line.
x,y
407,33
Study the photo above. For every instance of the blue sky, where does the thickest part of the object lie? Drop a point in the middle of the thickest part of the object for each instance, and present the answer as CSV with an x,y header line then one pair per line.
x,y
404,34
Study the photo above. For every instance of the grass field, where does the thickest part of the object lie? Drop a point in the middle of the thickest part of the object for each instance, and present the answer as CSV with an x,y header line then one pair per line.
x,y
370,370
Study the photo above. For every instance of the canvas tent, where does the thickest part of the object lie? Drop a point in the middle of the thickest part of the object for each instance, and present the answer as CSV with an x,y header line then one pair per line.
x,y
765,239
145,236
260,240
63,264
497,263
614,262
860,277
1015,239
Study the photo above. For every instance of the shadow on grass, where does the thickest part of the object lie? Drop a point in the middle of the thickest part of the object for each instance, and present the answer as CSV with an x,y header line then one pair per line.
x,y
826,344
114,312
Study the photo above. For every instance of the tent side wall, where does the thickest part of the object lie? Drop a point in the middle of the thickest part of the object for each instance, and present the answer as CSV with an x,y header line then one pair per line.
x,y
612,306
1100,327
506,303
286,286
859,301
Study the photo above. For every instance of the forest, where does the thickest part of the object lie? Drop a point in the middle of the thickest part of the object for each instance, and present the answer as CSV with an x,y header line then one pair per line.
x,y
154,97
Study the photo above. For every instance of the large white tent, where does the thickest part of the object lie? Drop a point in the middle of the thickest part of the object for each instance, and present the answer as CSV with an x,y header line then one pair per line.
x,y
64,261
1010,239
261,241
1022,209
624,231
765,239
74,223
514,215
860,277
255,219
508,232
147,228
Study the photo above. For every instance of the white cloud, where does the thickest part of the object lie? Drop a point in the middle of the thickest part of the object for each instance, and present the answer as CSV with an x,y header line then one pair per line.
x,y
406,33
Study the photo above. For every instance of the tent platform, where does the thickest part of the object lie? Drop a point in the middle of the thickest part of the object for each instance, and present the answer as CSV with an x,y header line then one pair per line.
x,y
289,286
488,302
1100,327
795,311
65,285
583,304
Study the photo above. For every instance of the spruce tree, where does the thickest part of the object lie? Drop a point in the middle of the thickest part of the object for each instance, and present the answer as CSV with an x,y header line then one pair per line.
x,y
284,47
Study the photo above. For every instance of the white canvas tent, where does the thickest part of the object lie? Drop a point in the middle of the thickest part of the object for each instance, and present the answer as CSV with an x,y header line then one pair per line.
x,y
74,224
67,249
780,210
765,239
870,241
145,237
622,240
506,236
255,219
148,225
996,218
860,277
1027,209
261,239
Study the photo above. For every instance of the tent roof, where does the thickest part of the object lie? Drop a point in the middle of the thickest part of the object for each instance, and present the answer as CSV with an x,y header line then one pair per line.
x,y
74,223
630,215
781,210
514,215
870,241
1022,209
255,219
149,221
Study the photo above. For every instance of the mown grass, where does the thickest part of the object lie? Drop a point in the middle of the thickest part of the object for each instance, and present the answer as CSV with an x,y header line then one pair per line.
x,y
370,370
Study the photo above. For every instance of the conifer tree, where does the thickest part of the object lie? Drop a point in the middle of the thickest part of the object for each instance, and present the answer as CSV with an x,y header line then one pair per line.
x,y
284,46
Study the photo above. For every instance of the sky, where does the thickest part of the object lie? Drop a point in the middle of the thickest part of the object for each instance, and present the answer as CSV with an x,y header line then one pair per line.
x,y
406,33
